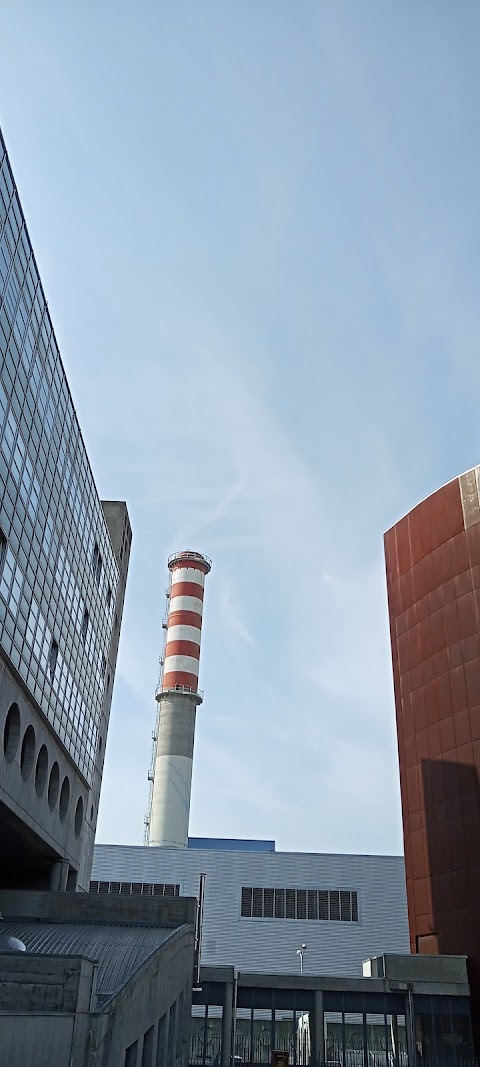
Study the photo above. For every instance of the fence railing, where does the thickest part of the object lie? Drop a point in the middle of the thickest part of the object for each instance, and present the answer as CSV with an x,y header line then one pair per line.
x,y
205,1051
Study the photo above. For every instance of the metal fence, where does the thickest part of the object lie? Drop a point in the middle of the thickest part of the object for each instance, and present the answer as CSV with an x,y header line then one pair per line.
x,y
208,1054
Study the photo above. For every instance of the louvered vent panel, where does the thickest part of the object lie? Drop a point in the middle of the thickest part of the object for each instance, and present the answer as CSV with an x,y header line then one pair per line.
x,y
323,904
136,888
246,906
314,904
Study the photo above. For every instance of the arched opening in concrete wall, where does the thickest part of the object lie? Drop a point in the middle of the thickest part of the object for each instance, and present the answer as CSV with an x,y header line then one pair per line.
x,y
27,755
41,771
64,799
53,786
78,817
11,733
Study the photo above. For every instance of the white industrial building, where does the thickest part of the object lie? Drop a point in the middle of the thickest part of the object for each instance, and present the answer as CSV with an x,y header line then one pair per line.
x,y
262,905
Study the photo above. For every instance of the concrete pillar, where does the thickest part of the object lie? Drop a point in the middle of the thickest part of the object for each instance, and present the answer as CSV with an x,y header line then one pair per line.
x,y
72,880
227,1024
410,1027
317,1032
59,876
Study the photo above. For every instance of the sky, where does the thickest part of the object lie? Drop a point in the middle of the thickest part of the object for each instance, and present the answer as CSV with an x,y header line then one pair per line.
x,y
257,223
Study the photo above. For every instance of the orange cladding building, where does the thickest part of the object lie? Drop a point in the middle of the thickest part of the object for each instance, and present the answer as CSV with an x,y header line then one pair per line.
x,y
433,582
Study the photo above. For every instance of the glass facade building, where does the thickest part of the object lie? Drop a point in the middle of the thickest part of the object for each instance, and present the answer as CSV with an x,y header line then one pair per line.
x,y
61,581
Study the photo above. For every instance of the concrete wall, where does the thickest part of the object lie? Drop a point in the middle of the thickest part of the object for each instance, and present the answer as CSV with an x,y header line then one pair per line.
x,y
39,1041
45,983
33,835
45,1015
144,1002
88,907
44,1009
262,945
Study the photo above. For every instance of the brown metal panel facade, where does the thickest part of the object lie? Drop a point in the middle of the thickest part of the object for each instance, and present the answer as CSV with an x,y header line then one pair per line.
x,y
433,582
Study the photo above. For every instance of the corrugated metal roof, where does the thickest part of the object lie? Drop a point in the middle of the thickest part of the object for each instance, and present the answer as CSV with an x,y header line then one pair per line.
x,y
119,949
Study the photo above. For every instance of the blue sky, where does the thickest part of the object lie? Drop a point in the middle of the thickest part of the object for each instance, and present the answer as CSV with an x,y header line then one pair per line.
x,y
257,226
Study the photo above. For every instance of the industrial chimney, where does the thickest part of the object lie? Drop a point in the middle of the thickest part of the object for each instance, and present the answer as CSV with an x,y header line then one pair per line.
x,y
178,696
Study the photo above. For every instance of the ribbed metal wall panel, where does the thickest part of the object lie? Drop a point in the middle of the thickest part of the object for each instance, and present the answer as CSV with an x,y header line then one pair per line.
x,y
270,945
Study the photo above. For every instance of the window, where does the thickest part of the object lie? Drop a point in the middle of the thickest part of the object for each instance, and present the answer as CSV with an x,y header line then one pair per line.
x,y
9,435
171,1034
179,1025
147,1050
310,904
97,563
3,550
52,659
131,1054
162,1027
84,626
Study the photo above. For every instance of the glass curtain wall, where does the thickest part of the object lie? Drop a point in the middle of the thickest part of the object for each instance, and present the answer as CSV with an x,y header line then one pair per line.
x,y
359,1030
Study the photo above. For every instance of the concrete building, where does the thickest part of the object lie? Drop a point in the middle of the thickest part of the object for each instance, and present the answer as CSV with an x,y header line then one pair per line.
x,y
106,981
260,906
178,697
63,567
103,983
433,580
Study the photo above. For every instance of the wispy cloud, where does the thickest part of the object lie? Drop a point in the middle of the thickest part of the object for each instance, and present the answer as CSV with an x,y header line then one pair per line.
x,y
271,504
230,616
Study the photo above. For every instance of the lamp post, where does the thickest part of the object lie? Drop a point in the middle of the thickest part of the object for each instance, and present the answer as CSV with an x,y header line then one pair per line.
x,y
300,953
303,1016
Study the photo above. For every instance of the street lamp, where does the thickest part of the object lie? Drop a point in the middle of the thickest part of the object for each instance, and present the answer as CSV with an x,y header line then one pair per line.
x,y
301,952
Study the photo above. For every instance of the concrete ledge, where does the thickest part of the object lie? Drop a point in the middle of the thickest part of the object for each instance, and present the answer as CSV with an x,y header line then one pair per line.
x,y
415,968
91,907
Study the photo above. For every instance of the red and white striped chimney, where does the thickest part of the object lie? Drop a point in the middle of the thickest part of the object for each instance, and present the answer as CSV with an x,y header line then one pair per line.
x,y
184,625
178,696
